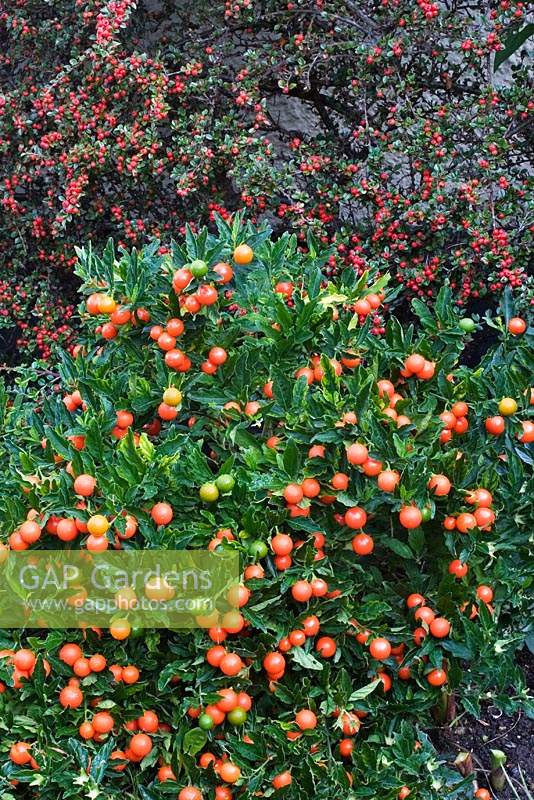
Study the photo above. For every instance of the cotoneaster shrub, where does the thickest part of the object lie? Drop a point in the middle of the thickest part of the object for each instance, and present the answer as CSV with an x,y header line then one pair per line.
x,y
35,316
378,493
389,127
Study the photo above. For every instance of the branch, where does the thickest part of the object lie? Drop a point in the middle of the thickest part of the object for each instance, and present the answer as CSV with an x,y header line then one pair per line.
x,y
364,19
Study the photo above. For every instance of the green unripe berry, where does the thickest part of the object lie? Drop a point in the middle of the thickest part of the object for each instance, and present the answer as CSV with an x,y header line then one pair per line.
x,y
198,268
225,483
258,549
208,492
467,324
237,716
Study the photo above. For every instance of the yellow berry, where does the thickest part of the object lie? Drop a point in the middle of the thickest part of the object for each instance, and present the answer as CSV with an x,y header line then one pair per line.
x,y
172,396
507,406
97,525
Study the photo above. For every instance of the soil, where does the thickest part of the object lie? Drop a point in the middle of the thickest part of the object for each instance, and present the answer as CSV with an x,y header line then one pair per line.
x,y
514,735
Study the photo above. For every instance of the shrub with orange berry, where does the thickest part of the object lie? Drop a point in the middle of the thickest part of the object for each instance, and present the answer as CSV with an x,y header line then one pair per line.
x,y
382,562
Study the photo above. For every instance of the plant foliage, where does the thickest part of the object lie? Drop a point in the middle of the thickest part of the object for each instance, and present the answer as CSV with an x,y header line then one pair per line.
x,y
272,317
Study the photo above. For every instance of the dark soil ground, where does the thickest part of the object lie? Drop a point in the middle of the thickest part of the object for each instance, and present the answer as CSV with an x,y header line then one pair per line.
x,y
494,731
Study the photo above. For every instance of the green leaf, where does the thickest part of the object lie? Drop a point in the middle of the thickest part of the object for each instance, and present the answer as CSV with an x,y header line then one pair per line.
x,y
507,304
79,752
365,691
306,660
457,649
399,548
194,741
443,304
100,761
300,390
416,539
144,794
378,285
314,282
333,299
58,443
291,459
423,312
512,43
282,390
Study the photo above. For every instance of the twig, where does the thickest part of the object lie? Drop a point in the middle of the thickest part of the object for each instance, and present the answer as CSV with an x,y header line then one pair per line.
x,y
501,735
527,790
364,19
512,787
